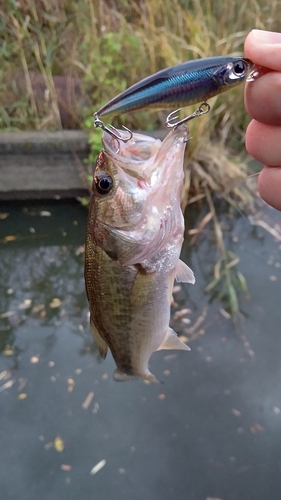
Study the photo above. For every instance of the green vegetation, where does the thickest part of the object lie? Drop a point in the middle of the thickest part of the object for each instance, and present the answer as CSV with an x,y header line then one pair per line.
x,y
109,44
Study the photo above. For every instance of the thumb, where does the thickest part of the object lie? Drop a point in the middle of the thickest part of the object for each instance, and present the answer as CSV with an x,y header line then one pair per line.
x,y
264,48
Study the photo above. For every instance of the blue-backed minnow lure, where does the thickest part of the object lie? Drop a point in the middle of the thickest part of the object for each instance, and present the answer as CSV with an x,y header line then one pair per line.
x,y
181,85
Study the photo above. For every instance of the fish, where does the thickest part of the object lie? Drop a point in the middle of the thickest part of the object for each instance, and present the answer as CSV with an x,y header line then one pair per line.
x,y
132,254
187,83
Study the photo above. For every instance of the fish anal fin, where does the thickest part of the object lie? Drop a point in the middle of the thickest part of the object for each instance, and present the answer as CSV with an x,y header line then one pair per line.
x,y
184,274
172,341
121,376
102,345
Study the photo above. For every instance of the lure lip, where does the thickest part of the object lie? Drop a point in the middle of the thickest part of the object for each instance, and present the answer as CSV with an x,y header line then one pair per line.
x,y
255,72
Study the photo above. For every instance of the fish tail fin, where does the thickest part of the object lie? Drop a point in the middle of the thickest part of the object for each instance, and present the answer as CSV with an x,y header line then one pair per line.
x,y
121,376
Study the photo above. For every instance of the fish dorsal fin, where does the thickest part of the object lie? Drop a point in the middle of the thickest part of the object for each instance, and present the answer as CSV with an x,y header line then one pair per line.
x,y
172,341
184,273
102,345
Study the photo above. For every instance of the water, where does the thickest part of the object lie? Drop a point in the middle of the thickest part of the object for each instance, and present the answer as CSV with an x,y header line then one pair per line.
x,y
210,431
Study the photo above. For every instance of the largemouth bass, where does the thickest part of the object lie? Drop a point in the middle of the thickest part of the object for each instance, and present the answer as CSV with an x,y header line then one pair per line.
x,y
134,238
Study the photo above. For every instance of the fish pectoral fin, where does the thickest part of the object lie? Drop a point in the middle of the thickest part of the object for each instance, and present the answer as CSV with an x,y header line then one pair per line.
x,y
183,273
172,341
102,345
141,290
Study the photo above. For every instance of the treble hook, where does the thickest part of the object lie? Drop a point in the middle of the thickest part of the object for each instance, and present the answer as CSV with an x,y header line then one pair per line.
x,y
112,130
203,109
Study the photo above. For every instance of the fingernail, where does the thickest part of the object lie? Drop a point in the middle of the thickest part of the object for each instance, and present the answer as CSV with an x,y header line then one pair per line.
x,y
270,37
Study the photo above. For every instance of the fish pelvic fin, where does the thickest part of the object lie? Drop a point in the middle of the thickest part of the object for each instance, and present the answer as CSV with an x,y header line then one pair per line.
x,y
121,376
102,345
172,341
184,274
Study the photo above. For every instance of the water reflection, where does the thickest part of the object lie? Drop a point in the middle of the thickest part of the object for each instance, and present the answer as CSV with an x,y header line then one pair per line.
x,y
210,431
34,287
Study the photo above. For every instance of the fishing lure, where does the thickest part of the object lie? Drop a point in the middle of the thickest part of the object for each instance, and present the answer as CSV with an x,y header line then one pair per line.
x,y
178,86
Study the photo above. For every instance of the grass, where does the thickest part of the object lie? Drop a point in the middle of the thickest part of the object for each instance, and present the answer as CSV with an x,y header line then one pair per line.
x,y
110,44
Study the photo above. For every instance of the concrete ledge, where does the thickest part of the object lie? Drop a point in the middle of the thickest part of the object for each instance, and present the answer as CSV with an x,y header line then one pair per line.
x,y
42,176
37,165
60,142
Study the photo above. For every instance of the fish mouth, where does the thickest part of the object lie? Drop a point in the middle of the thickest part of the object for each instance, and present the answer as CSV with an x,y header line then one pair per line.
x,y
140,147
142,154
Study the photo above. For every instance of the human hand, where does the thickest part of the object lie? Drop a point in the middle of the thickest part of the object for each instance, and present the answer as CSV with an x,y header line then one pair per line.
x,y
263,103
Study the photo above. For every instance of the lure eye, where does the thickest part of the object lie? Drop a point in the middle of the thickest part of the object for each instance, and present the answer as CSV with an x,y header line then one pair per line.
x,y
103,182
239,68
236,72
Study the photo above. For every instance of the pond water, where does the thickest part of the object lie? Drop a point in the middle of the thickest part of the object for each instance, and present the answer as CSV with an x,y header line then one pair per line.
x,y
211,430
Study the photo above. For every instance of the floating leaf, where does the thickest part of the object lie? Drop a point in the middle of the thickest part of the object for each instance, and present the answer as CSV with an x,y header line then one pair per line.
x,y
10,237
235,412
7,385
34,359
256,428
98,467
22,395
8,351
7,314
71,384
180,314
59,444
55,303
161,396
88,401
25,304
65,467
45,213
5,374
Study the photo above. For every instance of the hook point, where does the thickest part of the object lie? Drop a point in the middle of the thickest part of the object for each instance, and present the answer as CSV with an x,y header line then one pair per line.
x,y
112,130
203,109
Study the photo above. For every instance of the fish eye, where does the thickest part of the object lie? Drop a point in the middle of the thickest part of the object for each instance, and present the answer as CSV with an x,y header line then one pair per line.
x,y
239,68
103,182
